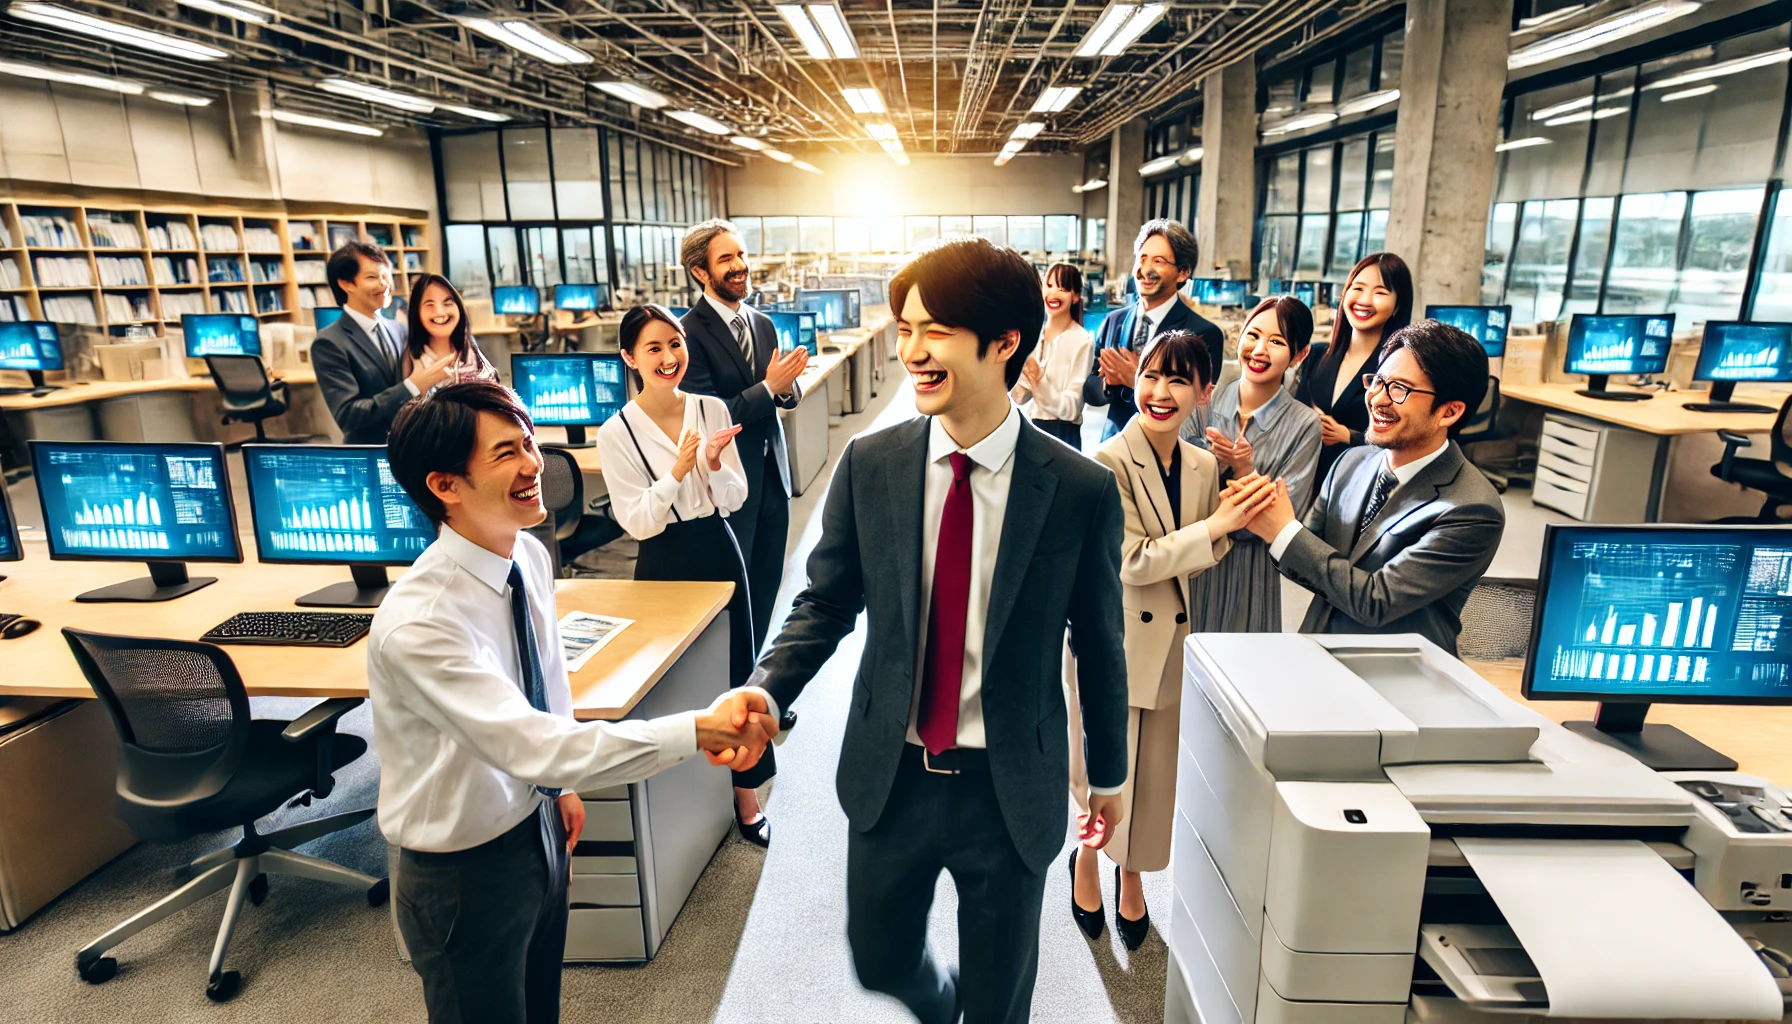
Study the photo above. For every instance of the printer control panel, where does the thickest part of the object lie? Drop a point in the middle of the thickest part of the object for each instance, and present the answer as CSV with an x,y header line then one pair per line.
x,y
1748,807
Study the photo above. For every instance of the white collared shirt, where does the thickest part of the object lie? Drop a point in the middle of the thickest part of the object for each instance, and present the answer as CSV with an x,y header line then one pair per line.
x,y
383,337
1063,361
1402,475
728,317
645,498
461,749
1156,316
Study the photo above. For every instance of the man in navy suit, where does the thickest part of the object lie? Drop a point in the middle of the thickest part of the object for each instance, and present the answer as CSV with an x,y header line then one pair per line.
x,y
1163,258
359,359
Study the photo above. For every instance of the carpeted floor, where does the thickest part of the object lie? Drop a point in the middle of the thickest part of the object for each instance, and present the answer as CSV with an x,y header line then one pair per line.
x,y
761,939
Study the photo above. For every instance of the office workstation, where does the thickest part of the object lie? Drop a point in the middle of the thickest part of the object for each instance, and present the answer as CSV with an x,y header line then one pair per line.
x,y
473,478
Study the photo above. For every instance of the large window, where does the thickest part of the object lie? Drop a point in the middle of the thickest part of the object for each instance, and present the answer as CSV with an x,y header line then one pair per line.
x,y
1050,234
1324,206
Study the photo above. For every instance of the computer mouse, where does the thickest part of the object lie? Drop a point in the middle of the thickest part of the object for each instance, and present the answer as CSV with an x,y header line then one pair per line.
x,y
18,628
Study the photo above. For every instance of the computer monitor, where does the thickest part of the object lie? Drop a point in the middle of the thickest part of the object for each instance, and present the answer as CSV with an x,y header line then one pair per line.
x,y
220,334
334,505
516,300
797,330
10,551
678,311
1600,346
1732,352
1218,291
32,346
838,307
1485,324
574,390
125,501
581,297
1636,615
324,316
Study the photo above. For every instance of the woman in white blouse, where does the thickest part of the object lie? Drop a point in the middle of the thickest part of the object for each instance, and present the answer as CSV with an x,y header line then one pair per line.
x,y
1050,392
673,497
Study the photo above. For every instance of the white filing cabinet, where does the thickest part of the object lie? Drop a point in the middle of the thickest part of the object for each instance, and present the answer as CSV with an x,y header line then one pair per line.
x,y
1594,471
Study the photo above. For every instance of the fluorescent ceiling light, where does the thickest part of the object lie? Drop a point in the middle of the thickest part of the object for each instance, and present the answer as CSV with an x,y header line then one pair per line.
x,y
834,30
241,10
1191,156
1372,101
1142,20
629,92
1295,124
1055,99
43,74
1158,166
180,97
780,156
1586,115
864,101
1535,140
1105,27
701,122
526,39
821,29
375,94
114,31
1014,145
308,121
1091,185
475,114
881,131
900,157
806,33
1028,130
746,142
1003,157
1720,70
1687,94
803,165
1527,24
1618,26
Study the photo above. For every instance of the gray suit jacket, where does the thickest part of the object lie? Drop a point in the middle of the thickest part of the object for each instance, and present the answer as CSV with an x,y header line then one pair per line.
x,y
362,389
1058,562
1411,571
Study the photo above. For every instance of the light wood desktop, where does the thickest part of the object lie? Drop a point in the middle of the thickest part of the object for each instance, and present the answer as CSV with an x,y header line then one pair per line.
x,y
1663,415
76,392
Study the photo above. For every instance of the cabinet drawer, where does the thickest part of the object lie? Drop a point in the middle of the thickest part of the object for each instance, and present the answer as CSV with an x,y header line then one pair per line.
x,y
607,793
608,821
1567,452
1582,437
1556,464
1561,480
1573,503
603,865
605,933
605,890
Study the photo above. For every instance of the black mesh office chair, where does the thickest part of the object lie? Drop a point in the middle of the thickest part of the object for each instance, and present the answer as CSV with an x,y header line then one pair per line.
x,y
1496,620
247,395
1764,475
195,762
1481,427
563,494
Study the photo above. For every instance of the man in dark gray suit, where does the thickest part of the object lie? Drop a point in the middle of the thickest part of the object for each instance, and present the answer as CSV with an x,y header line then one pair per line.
x,y
970,538
1403,527
359,359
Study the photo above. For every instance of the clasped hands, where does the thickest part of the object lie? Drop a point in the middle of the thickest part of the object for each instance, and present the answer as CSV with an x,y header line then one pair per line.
x,y
1250,500
736,728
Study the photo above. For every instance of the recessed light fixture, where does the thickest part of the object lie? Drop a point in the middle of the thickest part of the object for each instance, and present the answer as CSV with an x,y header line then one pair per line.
x,y
1055,99
241,10
474,113
803,165
864,101
1525,143
1723,69
1587,37
1687,94
375,94
1295,124
1371,101
629,92
1158,166
43,74
524,38
821,29
180,98
1028,130
114,31
311,121
701,122
780,156
1118,27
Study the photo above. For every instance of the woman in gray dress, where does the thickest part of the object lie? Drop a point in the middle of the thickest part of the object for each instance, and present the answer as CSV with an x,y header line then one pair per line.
x,y
1255,425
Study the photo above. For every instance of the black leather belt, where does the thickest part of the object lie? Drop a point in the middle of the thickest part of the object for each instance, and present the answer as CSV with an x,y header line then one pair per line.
x,y
956,761
526,831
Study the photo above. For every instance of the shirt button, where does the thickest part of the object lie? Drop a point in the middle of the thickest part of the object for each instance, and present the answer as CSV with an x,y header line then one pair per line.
x,y
1181,618
1144,616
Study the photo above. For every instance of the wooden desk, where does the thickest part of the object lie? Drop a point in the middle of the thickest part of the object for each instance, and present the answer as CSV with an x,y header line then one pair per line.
x,y
77,392
1665,415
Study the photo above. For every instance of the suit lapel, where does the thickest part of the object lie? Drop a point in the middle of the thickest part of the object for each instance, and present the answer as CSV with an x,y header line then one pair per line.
x,y
721,337
1149,480
1194,490
369,347
1030,492
905,477
1415,495
1177,318
765,341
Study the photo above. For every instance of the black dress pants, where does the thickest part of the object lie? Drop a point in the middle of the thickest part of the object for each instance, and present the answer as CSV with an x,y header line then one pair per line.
x,y
486,927
935,823
762,526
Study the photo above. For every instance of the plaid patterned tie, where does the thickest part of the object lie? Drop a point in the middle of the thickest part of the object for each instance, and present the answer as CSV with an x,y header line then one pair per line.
x,y
1385,482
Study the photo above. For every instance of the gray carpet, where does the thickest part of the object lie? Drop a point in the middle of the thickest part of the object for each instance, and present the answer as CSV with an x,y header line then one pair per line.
x,y
761,939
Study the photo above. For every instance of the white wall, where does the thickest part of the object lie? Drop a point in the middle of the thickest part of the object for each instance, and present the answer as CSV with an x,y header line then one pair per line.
x,y
866,185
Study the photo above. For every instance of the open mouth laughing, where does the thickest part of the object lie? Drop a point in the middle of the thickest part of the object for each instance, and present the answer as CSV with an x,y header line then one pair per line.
x,y
928,381
1161,411
530,495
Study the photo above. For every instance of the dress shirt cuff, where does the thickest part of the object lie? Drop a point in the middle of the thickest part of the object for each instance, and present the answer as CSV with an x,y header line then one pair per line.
x,y
1284,538
771,703
1105,790
411,387
666,488
676,737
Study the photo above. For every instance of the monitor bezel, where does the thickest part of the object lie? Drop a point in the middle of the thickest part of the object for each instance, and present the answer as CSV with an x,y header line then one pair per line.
x,y
1698,372
597,300
186,344
849,297
1578,318
525,357
223,480
515,287
61,355
10,529
255,524
1543,573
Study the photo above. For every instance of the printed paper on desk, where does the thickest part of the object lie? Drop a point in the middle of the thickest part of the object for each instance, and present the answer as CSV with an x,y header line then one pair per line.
x,y
583,634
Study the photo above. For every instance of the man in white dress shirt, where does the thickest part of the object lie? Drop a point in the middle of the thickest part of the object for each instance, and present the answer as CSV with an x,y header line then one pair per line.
x,y
480,759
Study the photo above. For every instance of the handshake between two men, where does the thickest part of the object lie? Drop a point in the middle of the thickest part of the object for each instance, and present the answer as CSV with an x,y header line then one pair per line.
x,y
736,728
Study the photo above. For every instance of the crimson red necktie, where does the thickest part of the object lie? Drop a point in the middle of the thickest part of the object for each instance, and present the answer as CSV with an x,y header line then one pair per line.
x,y
943,675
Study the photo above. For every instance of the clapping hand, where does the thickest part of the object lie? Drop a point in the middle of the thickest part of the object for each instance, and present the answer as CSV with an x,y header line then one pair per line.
x,y
718,441
783,371
1333,432
687,454
736,728
1272,515
1032,372
1119,366
1235,454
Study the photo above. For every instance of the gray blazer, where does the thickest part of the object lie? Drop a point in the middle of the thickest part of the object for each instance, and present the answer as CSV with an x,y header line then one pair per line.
x,y
1412,570
363,390
1058,563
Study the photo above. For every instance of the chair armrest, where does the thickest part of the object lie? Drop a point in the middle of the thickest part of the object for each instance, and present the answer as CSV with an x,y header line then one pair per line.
x,y
1732,441
321,717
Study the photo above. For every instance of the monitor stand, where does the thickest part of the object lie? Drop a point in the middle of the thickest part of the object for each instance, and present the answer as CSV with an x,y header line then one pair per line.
x,y
1596,389
1661,747
37,384
575,438
166,581
1721,391
367,590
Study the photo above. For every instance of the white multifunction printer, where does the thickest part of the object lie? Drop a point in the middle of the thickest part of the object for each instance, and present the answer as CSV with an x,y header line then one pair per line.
x,y
1367,832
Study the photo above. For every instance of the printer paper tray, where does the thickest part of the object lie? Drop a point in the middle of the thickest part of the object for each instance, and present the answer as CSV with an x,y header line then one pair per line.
x,y
1485,966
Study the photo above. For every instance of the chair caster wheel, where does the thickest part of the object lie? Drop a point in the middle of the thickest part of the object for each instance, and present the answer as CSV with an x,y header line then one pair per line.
x,y
97,971
379,892
258,889
224,987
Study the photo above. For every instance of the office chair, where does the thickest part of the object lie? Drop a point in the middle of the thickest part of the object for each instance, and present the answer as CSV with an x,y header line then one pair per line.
x,y
247,395
1480,427
195,762
1764,475
1496,620
563,494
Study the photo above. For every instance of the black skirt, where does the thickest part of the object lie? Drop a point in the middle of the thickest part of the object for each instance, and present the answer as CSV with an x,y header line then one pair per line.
x,y
705,549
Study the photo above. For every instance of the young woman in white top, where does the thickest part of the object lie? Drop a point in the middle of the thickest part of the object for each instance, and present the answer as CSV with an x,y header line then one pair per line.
x,y
1050,392
440,336
673,475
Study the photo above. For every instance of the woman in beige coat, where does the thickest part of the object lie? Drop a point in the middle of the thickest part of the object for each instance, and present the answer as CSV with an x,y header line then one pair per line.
x,y
1177,522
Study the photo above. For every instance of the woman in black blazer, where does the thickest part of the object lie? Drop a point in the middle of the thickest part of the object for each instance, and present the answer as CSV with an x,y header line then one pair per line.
x,y
1377,303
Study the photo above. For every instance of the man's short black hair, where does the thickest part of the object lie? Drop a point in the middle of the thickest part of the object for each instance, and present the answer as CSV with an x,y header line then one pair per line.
x,y
345,265
1455,362
437,433
1182,243
977,285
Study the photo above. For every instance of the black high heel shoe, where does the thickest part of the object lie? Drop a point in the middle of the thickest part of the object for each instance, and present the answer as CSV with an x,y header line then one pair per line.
x,y
759,833
1090,921
1131,932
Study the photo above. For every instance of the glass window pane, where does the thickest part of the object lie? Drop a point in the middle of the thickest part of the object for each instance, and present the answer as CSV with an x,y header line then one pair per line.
x,y
780,235
1714,138
1500,223
1609,132
1644,251
1284,185
583,263
471,177
501,243
1375,234
466,259
816,234
749,234
920,231
541,252
618,199
1552,169
578,182
1319,83
955,226
662,180
1027,233
993,228
851,234
1381,174
1060,233
1589,257
1393,58
1312,244
1357,66
1276,250
1317,193
1720,234
1540,259
1095,231
526,174
886,234
1773,300
1353,174
1346,241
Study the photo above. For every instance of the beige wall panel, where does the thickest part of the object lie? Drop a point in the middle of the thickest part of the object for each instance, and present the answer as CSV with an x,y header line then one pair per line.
x,y
162,145
95,137
30,133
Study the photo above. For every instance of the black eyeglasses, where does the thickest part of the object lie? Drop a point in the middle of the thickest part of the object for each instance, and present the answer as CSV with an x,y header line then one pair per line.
x,y
1397,390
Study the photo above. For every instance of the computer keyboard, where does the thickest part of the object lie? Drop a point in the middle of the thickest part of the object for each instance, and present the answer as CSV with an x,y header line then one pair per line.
x,y
291,629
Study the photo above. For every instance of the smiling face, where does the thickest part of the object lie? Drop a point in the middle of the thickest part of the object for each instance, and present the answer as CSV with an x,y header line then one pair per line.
x,y
726,272
501,491
1264,355
1418,425
370,289
439,312
1368,301
950,378
659,356
1166,399
1156,272
1057,299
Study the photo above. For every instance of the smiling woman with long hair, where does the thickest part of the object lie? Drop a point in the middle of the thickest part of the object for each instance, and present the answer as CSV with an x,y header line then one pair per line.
x,y
440,334
1376,303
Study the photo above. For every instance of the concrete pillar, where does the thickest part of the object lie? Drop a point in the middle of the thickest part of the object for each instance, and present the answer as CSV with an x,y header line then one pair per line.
x,y
1228,172
1443,147
1126,196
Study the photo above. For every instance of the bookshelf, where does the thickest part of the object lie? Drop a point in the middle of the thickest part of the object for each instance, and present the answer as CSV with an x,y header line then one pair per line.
x,y
116,264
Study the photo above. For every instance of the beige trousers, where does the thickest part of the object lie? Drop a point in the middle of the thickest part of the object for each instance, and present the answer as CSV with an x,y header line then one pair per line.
x,y
1148,800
